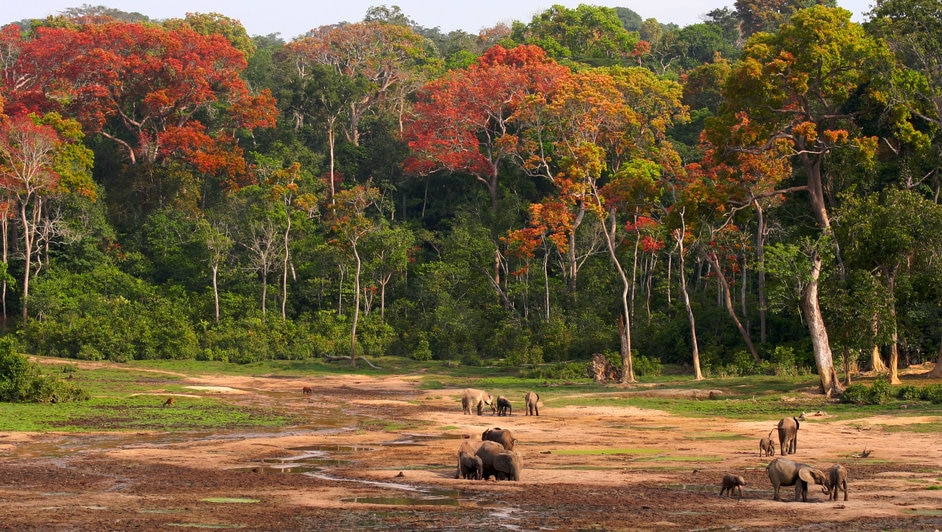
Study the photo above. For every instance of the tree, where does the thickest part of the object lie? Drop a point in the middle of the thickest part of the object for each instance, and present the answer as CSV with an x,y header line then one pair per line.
x,y
162,96
462,122
603,142
890,234
34,157
799,86
587,34
350,222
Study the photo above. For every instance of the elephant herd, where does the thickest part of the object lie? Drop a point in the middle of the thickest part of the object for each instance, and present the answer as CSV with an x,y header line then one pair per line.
x,y
785,472
475,400
494,455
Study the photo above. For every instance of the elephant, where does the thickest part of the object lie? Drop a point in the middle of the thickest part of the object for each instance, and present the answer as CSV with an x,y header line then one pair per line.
x,y
837,481
507,465
767,445
784,472
501,436
471,398
504,408
532,399
467,447
499,462
788,435
730,483
470,466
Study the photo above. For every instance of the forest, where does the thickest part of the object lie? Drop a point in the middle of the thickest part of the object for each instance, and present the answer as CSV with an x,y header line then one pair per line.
x,y
754,194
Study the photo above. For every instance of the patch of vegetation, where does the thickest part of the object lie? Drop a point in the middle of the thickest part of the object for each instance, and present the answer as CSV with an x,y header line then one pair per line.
x,y
23,381
919,428
881,392
135,413
605,452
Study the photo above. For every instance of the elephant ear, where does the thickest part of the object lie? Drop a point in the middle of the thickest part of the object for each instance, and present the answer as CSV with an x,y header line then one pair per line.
x,y
807,474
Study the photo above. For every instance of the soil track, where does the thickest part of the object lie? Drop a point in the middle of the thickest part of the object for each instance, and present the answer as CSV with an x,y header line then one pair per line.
x,y
380,454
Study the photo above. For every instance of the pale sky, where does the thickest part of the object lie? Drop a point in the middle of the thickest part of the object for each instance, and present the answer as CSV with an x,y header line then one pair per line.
x,y
292,18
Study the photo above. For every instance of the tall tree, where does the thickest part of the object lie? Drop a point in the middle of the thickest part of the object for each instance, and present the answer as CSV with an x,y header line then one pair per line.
x,y
799,86
34,158
349,220
162,96
605,146
587,34
462,121
890,234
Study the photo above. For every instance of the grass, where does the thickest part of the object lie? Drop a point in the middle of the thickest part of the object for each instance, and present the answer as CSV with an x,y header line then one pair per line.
x,y
134,413
118,404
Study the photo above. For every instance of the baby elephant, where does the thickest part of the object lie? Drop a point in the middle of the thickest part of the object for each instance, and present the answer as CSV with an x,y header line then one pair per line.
x,y
532,399
767,445
730,483
504,407
470,466
837,480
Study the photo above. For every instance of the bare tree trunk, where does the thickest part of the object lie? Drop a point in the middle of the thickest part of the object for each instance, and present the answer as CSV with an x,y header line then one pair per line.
x,y
894,335
690,317
819,335
760,266
730,308
356,307
876,363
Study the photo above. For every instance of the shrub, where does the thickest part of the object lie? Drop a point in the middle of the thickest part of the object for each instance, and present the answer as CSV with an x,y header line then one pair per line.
x,y
880,392
647,367
566,371
932,393
857,394
908,392
21,380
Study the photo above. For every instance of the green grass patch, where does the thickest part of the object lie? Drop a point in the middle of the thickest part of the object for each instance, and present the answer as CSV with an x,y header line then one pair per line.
x,y
134,414
719,436
683,458
601,452
231,500
919,428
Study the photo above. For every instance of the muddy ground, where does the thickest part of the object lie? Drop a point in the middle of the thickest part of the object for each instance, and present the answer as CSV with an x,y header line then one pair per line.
x,y
380,454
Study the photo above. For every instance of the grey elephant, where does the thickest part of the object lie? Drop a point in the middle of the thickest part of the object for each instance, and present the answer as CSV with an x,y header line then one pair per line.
x,y
837,481
532,400
784,472
504,408
732,482
467,447
767,445
501,436
471,399
788,435
499,462
470,466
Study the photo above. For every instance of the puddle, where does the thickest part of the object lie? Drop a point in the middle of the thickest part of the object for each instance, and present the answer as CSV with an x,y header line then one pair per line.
x,y
230,500
419,439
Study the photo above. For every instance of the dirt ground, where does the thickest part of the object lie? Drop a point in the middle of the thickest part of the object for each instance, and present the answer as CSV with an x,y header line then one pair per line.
x,y
352,468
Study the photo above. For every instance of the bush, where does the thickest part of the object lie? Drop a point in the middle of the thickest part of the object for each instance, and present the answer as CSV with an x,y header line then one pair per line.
x,y
566,371
880,392
22,381
647,367
908,392
857,394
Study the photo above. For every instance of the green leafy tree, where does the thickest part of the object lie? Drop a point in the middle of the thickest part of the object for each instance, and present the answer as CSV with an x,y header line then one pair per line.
x,y
587,34
890,234
803,87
